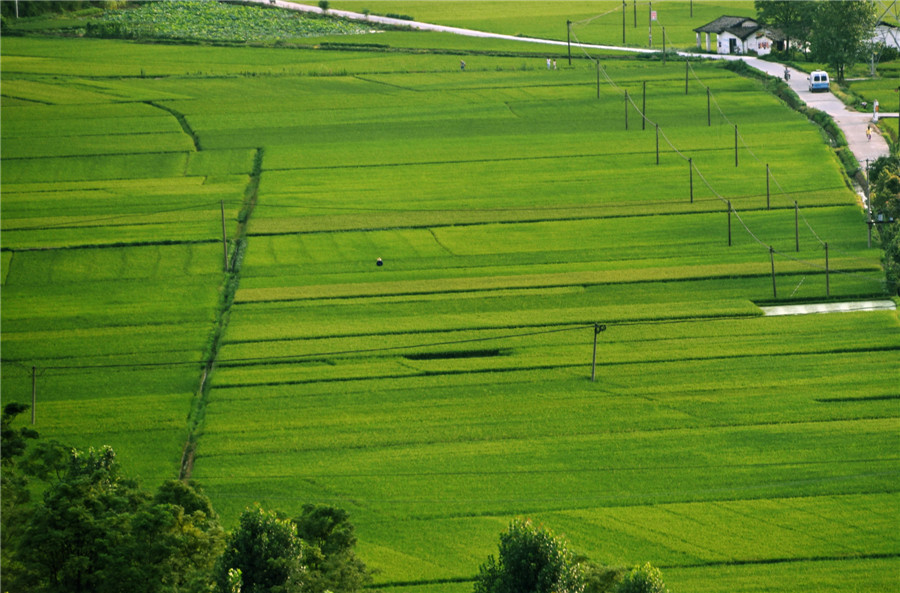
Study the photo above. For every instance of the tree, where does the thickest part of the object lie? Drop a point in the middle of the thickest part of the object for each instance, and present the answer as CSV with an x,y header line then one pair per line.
x,y
332,563
180,535
599,578
530,560
13,440
14,493
96,531
79,526
268,553
885,195
840,30
790,17
643,579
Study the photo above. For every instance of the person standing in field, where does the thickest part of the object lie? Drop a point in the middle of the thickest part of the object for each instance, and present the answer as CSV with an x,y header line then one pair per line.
x,y
462,65
548,63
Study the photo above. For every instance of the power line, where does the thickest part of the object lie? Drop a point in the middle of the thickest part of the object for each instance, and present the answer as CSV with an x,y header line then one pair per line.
x,y
738,135
83,223
298,357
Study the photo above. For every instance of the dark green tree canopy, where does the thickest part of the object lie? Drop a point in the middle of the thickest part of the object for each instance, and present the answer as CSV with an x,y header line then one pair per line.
x,y
792,18
530,559
840,30
268,553
836,32
332,563
96,531
885,194
13,440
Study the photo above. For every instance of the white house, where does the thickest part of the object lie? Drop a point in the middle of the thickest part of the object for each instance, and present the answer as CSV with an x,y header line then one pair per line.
x,y
740,35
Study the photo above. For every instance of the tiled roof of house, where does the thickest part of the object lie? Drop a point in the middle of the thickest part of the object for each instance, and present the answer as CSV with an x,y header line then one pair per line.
x,y
724,23
741,27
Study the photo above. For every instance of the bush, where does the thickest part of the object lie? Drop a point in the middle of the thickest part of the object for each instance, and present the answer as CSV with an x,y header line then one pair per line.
x,y
643,579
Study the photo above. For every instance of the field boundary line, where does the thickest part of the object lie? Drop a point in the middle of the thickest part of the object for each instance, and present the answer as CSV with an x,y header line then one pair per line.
x,y
231,281
182,121
116,245
387,84
762,561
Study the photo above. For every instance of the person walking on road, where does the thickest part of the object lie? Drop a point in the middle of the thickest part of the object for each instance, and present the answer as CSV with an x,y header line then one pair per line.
x,y
868,133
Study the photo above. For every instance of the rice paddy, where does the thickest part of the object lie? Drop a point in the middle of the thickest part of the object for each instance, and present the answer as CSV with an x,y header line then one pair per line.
x,y
449,390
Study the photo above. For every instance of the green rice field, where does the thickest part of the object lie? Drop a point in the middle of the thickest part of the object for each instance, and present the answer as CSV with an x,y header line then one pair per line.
x,y
442,394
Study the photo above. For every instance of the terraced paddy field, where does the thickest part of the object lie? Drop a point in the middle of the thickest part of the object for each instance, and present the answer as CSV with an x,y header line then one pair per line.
x,y
449,390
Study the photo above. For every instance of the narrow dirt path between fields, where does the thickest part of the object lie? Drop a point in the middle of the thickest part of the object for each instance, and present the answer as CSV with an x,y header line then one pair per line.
x,y
223,315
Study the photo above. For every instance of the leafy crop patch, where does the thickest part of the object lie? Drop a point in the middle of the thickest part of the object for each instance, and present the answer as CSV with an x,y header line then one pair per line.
x,y
488,353
212,21
870,398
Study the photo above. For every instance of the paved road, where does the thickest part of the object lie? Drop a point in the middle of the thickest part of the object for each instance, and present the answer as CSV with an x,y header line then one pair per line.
x,y
852,123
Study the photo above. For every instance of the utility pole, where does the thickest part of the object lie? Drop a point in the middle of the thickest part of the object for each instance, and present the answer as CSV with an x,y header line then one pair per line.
x,y
827,278
797,226
597,329
735,145
657,144
708,112
729,223
569,39
626,110
624,10
691,176
33,394
686,66
772,259
767,187
598,79
644,108
650,24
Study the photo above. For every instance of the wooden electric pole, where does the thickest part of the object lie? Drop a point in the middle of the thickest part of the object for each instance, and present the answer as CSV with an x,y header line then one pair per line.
x,y
597,329
691,177
729,223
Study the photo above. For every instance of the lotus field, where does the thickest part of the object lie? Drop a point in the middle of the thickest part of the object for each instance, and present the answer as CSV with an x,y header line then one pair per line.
x,y
443,393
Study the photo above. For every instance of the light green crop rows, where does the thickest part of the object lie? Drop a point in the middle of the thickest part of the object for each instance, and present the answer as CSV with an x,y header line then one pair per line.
x,y
441,394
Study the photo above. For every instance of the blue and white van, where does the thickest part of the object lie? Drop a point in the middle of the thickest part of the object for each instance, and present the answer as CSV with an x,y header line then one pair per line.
x,y
818,81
